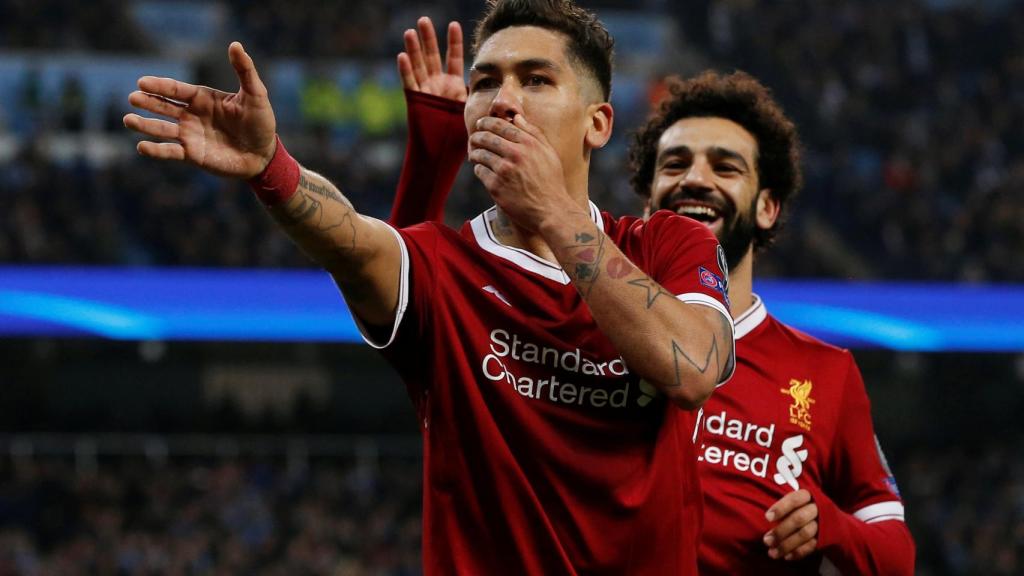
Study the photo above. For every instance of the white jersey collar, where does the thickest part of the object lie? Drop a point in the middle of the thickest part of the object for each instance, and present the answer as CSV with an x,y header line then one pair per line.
x,y
751,318
523,258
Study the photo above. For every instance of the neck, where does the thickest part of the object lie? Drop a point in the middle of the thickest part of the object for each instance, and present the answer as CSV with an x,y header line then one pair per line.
x,y
741,285
511,234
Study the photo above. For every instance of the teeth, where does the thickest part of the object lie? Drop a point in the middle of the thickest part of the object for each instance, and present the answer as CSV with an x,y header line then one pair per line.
x,y
698,211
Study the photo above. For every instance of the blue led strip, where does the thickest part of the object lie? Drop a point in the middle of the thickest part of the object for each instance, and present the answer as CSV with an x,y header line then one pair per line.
x,y
252,305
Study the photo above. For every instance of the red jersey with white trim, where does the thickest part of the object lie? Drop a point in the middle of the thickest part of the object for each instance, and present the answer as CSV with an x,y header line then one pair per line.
x,y
795,415
543,453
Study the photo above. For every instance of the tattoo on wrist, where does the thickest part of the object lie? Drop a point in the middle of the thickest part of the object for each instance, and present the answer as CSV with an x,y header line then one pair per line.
x,y
588,252
306,210
323,190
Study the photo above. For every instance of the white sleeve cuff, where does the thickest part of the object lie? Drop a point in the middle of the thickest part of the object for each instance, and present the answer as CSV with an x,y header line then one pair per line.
x,y
403,299
705,300
880,512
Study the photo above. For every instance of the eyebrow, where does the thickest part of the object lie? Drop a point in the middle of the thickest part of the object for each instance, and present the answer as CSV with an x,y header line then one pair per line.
x,y
717,151
528,64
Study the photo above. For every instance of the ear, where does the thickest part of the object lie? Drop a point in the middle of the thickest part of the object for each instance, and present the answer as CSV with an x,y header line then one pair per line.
x,y
767,209
601,119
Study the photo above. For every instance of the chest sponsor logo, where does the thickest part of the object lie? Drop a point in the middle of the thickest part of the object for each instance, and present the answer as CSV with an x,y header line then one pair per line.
x,y
800,411
747,447
790,464
509,353
758,438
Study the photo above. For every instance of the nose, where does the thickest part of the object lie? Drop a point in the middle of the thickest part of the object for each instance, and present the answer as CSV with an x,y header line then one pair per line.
x,y
698,177
508,101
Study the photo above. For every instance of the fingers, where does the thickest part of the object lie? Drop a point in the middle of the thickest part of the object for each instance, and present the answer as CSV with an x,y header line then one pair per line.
x,y
162,151
415,52
431,52
245,68
405,72
152,127
802,551
490,142
486,175
454,58
799,540
501,127
787,504
169,88
156,104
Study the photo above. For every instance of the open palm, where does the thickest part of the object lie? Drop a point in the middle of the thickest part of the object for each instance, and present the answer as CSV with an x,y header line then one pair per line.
x,y
226,134
420,65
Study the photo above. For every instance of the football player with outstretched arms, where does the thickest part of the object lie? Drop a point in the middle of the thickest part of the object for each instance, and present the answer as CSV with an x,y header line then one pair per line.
x,y
556,356
794,479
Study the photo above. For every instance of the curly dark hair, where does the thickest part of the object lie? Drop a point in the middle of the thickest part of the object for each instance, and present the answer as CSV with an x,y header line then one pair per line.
x,y
589,43
738,97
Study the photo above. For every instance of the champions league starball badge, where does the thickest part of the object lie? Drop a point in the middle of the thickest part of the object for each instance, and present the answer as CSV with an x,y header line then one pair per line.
x,y
724,267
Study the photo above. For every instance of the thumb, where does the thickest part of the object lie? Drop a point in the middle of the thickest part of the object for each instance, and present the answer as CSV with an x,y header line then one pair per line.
x,y
246,70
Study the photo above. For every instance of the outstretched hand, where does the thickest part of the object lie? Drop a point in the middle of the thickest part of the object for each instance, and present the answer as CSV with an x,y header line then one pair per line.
x,y
227,134
420,65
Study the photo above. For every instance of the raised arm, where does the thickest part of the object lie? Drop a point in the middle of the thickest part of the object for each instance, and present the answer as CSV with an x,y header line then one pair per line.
x,y
234,135
684,349
436,145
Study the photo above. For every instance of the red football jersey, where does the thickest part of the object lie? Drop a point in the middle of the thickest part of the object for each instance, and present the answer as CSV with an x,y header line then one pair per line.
x,y
543,453
795,415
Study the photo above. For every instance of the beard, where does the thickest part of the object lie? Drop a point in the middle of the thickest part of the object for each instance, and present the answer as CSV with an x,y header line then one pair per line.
x,y
737,234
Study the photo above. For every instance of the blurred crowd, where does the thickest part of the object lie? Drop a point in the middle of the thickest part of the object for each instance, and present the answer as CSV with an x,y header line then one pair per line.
x,y
910,111
129,516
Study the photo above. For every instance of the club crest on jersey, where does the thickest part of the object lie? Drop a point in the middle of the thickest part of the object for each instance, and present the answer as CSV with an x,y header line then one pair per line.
x,y
713,281
800,411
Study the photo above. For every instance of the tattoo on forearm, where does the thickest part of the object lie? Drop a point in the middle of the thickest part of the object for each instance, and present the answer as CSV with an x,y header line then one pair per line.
x,y
678,352
619,267
652,288
308,210
322,190
588,253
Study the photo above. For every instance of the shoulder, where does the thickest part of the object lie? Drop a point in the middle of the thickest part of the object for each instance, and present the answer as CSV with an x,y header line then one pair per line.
x,y
835,362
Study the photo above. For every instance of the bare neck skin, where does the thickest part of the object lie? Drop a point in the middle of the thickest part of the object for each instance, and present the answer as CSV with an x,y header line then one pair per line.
x,y
741,284
507,232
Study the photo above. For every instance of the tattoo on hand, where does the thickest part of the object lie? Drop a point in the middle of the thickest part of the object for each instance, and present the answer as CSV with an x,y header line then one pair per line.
x,y
677,352
653,289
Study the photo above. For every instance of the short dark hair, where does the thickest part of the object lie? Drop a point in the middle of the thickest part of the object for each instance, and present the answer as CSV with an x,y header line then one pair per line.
x,y
589,43
738,97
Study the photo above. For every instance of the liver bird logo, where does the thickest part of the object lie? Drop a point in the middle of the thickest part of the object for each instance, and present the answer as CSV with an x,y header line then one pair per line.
x,y
800,411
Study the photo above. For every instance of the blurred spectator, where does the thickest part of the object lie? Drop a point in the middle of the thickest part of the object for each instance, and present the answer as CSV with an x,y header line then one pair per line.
x,y
223,516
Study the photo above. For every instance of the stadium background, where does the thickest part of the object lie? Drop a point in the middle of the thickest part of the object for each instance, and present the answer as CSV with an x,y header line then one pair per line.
x,y
123,456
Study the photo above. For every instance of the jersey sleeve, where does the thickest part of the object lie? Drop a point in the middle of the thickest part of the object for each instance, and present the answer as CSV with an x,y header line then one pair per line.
x,y
413,311
434,151
685,258
861,523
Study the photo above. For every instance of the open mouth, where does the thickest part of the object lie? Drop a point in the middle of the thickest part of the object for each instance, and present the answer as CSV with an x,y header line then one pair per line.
x,y
699,211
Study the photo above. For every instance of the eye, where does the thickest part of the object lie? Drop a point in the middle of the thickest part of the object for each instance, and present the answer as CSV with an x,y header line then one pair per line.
x,y
727,168
485,83
536,80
